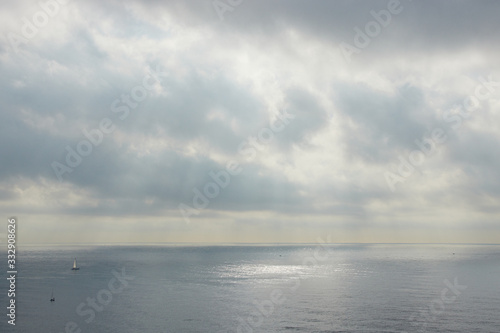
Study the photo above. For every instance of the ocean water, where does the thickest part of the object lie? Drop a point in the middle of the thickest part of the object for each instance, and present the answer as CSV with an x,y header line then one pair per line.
x,y
296,288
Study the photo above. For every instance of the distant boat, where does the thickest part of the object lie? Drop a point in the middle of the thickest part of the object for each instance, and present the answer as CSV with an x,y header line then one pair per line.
x,y
52,299
75,267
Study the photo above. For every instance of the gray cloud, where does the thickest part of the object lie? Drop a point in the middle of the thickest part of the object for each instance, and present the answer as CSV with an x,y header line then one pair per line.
x,y
382,123
352,121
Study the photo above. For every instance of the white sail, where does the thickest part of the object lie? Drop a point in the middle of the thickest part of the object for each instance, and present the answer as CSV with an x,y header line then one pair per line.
x,y
74,263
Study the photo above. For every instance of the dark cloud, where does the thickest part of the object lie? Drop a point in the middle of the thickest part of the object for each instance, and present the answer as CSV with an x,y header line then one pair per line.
x,y
308,117
198,108
420,26
381,123
477,155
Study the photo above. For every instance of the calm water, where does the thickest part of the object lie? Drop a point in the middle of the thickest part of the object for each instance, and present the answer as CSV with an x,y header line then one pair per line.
x,y
339,288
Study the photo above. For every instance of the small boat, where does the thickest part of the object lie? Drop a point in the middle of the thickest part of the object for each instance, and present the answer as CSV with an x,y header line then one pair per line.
x,y
52,298
75,267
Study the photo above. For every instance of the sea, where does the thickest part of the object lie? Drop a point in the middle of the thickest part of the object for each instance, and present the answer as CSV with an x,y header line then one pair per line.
x,y
255,288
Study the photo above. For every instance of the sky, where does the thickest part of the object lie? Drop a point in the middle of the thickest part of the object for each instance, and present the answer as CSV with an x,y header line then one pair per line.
x,y
250,121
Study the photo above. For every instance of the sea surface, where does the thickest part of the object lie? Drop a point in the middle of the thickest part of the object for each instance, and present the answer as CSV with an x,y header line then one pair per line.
x,y
257,288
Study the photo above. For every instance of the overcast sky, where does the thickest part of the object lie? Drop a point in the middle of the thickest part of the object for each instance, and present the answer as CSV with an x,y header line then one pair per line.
x,y
250,121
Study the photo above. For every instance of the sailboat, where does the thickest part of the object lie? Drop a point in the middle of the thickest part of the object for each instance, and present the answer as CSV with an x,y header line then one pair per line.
x,y
75,268
52,299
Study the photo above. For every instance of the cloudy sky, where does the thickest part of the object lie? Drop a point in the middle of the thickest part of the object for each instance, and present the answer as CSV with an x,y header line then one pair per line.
x,y
250,121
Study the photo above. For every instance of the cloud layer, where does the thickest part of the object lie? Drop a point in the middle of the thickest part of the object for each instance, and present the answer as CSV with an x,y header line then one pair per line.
x,y
184,88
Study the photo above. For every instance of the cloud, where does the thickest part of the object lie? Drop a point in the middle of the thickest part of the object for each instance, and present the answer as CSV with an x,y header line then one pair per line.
x,y
219,84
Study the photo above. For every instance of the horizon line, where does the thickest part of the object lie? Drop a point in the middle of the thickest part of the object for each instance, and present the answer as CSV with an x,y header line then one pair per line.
x,y
247,243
